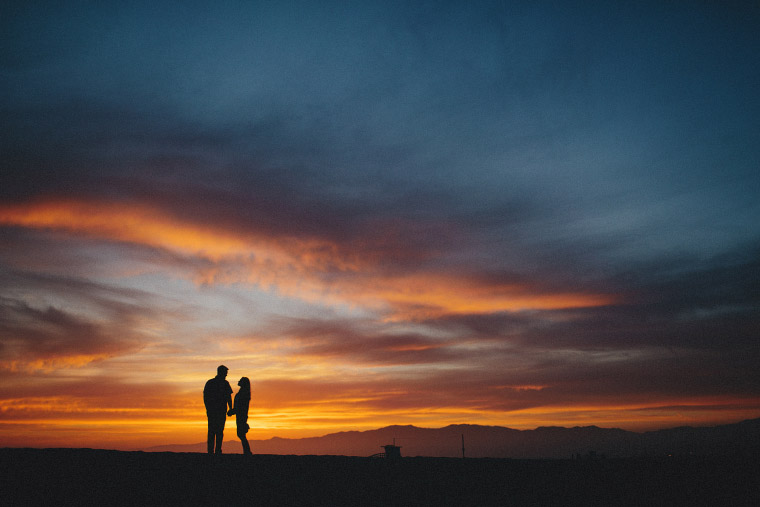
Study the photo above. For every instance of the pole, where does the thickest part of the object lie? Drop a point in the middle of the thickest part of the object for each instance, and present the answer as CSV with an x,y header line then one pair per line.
x,y
462,445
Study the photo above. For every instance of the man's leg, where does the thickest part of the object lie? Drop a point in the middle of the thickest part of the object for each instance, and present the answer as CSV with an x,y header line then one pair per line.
x,y
210,436
215,430
219,437
219,420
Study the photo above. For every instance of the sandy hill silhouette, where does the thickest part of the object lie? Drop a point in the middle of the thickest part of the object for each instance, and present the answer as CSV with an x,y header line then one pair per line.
x,y
500,442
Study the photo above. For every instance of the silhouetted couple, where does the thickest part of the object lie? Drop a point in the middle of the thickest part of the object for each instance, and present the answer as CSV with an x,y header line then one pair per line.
x,y
217,396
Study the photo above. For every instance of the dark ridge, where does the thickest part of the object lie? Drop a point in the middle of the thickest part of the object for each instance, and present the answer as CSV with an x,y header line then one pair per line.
x,y
498,442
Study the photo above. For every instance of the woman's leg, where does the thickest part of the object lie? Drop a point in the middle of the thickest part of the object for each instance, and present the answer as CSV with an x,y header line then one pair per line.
x,y
243,440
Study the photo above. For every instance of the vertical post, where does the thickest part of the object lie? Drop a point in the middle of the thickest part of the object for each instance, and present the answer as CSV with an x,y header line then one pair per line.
x,y
462,445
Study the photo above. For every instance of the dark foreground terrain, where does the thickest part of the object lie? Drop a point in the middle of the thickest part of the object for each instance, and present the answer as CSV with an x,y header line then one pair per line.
x,y
98,477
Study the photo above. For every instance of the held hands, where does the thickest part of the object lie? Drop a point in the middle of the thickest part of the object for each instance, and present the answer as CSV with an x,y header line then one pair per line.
x,y
231,411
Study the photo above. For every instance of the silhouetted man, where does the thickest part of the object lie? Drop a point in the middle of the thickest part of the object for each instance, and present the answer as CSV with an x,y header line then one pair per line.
x,y
217,396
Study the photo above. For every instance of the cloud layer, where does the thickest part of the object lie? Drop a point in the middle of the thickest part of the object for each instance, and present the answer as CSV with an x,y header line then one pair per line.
x,y
423,213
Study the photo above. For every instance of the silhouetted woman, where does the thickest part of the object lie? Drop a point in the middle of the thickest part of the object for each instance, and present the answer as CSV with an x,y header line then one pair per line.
x,y
240,409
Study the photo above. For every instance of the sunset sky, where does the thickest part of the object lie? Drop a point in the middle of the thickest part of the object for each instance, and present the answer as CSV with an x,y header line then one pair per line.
x,y
504,213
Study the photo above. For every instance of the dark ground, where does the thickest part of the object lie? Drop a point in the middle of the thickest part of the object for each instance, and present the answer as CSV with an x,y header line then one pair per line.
x,y
99,477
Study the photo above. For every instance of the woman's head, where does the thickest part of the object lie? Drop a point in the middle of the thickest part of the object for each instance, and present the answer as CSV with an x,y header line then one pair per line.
x,y
244,383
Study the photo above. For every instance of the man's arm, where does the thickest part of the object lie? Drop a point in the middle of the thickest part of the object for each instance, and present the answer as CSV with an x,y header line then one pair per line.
x,y
205,395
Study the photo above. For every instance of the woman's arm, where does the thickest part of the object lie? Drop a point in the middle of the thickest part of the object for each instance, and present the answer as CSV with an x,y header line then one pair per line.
x,y
241,409
234,408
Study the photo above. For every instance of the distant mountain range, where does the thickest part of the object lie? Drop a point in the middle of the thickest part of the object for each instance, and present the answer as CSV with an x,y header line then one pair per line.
x,y
498,442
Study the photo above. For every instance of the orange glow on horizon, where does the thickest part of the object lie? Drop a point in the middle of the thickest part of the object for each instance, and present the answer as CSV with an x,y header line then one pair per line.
x,y
28,423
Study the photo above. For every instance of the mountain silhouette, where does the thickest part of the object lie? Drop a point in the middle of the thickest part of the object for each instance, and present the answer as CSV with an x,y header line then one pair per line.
x,y
499,442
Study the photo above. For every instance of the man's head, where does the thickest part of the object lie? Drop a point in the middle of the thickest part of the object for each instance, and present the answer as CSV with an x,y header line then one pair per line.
x,y
221,371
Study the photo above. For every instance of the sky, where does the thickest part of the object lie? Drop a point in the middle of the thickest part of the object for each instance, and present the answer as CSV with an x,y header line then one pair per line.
x,y
504,213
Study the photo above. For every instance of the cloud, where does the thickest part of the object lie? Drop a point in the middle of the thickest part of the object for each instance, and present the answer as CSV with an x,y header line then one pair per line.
x,y
365,343
50,337
308,267
96,397
49,322
381,210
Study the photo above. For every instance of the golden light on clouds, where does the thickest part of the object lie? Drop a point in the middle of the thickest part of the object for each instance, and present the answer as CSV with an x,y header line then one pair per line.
x,y
146,225
312,374
43,422
294,267
50,364
426,296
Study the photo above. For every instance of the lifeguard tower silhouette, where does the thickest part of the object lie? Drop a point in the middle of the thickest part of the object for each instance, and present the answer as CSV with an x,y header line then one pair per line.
x,y
392,451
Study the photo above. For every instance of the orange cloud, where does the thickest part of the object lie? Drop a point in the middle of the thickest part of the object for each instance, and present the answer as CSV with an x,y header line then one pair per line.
x,y
307,268
49,364
151,226
420,296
